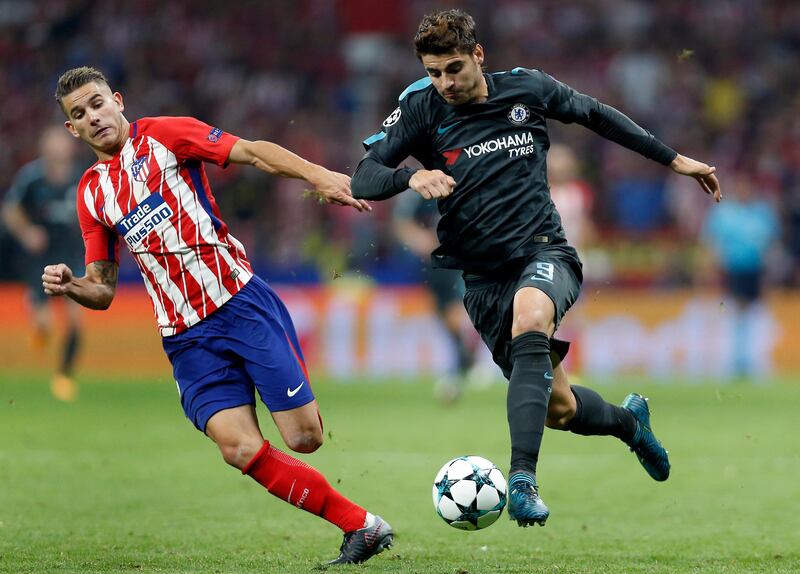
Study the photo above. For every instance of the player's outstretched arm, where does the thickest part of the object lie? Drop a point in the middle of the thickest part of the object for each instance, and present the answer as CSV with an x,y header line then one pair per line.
x,y
703,173
331,186
94,290
33,238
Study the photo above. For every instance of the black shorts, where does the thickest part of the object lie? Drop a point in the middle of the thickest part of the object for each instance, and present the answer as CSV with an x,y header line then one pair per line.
x,y
446,285
744,285
489,299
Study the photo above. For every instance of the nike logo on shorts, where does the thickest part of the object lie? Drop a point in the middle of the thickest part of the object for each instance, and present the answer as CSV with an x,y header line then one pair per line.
x,y
293,392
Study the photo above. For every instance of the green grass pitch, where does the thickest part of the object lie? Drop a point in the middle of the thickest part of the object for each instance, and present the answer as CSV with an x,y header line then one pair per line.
x,y
121,482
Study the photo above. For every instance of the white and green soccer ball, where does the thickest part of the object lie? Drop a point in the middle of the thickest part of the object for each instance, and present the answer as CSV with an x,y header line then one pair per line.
x,y
469,493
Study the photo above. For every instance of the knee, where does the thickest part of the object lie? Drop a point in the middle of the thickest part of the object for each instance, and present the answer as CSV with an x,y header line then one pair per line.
x,y
529,320
305,441
238,453
559,414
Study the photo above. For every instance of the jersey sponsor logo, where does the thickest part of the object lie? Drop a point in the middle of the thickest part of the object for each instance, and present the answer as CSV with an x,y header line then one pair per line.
x,y
519,144
519,114
149,215
444,129
451,156
214,135
139,169
392,118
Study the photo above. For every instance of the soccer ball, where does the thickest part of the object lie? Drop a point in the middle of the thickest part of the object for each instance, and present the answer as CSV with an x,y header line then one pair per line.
x,y
469,493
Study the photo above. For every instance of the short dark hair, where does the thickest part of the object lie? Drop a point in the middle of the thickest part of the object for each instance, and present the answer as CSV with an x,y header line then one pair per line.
x,y
446,31
73,79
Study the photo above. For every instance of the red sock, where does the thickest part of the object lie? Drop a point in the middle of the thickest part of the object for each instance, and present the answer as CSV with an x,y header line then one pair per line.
x,y
303,486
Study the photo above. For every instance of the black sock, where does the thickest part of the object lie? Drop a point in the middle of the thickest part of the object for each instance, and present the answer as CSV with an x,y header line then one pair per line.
x,y
528,395
465,358
70,351
594,416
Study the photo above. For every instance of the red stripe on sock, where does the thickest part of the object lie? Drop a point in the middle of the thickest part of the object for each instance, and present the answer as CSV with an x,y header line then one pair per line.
x,y
303,486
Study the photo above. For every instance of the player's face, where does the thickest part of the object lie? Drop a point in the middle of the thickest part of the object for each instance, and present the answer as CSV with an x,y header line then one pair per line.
x,y
57,150
95,116
457,77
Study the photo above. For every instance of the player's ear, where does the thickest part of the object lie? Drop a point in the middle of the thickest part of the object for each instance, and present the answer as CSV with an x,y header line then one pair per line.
x,y
478,53
71,129
118,99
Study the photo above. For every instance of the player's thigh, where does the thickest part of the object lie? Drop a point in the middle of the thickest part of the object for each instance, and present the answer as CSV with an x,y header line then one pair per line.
x,y
548,286
533,311
208,373
271,354
235,425
301,427
236,432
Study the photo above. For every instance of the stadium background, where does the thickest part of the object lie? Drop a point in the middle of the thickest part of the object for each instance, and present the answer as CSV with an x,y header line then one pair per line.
x,y
716,80
119,482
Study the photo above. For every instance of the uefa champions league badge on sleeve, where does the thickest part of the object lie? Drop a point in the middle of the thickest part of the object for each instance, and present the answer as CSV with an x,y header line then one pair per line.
x,y
392,118
519,114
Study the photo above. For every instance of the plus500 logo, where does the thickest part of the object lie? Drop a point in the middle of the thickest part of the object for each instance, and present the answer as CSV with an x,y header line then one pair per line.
x,y
146,217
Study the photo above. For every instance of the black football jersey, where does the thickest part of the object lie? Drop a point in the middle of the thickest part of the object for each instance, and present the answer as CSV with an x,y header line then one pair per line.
x,y
496,151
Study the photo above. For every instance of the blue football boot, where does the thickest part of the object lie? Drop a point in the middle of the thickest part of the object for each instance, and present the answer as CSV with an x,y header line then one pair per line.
x,y
644,443
524,504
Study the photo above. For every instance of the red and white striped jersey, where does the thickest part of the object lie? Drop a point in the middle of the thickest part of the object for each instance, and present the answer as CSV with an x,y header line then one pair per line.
x,y
154,194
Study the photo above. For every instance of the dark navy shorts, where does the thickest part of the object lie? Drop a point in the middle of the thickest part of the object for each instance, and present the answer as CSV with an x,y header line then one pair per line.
x,y
446,285
744,285
247,344
489,299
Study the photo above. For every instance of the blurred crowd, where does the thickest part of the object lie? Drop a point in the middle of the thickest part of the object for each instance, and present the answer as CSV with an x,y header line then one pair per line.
x,y
715,80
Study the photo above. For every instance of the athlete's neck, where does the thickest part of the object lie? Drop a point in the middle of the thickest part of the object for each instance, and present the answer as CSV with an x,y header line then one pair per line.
x,y
482,92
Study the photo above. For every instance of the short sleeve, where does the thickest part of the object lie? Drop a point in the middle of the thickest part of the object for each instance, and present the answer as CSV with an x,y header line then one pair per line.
x,y
100,242
190,138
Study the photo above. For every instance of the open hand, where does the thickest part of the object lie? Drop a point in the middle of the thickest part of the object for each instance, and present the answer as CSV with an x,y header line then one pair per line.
x,y
334,187
704,174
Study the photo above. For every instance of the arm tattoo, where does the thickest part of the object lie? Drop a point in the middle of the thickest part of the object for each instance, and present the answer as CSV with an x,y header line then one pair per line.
x,y
108,271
